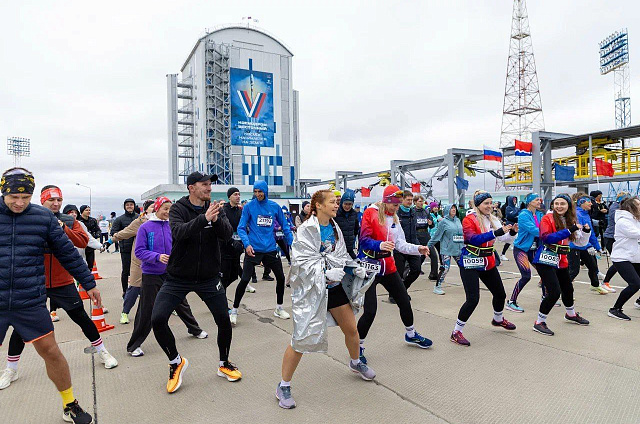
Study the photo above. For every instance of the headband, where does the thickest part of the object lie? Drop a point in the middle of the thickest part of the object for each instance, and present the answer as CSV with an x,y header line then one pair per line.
x,y
481,197
17,182
563,197
583,200
530,198
621,196
52,192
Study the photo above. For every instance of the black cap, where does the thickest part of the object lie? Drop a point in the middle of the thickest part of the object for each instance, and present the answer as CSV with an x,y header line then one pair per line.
x,y
231,191
196,177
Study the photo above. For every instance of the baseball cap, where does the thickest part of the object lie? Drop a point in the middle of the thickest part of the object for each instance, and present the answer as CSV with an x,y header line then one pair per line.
x,y
196,177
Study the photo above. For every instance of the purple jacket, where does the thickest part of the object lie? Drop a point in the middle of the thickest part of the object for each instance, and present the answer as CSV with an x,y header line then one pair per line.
x,y
153,239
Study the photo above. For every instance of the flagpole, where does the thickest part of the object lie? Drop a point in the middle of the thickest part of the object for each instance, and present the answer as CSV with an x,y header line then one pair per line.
x,y
484,175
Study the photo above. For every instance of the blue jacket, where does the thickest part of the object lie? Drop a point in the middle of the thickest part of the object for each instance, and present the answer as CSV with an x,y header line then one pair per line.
x,y
24,238
611,220
448,228
585,218
511,210
528,229
257,222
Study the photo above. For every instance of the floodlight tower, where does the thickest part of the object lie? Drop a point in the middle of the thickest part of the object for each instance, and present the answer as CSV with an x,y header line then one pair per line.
x,y
522,107
614,57
17,147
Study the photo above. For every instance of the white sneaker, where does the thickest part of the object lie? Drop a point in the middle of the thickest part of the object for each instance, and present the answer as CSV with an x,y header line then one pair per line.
x,y
281,313
636,304
105,310
8,376
233,317
108,360
137,353
600,276
504,258
203,335
250,289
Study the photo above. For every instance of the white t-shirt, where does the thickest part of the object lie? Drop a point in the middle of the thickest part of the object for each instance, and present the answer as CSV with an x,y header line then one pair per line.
x,y
104,226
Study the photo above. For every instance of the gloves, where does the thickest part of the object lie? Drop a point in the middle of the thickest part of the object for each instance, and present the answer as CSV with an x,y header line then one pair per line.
x,y
106,245
334,274
360,272
592,251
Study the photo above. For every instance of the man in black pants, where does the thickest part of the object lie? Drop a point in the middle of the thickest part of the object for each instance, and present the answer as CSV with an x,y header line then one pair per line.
x,y
94,230
121,223
194,266
347,220
408,222
256,230
232,249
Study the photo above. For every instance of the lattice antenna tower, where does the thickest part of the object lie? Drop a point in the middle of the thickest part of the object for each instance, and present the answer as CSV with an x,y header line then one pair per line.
x,y
614,57
18,147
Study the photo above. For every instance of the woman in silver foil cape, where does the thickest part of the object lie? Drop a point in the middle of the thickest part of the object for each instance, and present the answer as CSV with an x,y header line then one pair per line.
x,y
322,292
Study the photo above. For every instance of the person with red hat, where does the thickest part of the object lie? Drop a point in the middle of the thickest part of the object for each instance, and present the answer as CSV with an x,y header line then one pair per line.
x,y
380,234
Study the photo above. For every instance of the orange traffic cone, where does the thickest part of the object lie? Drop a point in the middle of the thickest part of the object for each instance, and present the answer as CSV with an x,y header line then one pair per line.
x,y
97,316
83,292
94,271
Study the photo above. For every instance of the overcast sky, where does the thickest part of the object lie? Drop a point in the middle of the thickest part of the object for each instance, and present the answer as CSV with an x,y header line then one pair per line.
x,y
378,80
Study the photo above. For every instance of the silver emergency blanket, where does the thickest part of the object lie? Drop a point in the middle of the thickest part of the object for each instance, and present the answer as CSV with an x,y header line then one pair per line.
x,y
309,292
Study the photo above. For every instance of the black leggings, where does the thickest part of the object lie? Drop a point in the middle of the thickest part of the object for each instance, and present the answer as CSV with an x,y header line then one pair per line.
x,y
576,256
269,259
284,247
631,274
471,281
125,258
611,272
77,315
414,267
505,248
90,254
555,282
395,287
172,293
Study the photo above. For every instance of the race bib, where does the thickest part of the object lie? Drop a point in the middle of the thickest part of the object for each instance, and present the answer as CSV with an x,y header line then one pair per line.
x,y
422,221
550,258
371,266
473,262
279,234
264,221
458,239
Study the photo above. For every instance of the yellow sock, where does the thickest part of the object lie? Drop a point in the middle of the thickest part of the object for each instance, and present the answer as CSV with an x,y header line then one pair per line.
x,y
67,397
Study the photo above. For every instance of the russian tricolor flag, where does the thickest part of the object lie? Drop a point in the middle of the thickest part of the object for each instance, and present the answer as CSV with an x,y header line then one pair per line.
x,y
490,154
523,148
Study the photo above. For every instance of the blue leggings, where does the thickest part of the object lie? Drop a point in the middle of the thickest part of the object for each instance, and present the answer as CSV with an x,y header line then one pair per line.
x,y
523,261
445,264
130,297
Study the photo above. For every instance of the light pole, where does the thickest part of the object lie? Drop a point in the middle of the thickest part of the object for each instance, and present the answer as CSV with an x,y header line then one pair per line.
x,y
81,185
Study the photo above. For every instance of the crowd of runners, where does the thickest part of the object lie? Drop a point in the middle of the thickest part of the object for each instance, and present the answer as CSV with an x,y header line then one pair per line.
x,y
337,257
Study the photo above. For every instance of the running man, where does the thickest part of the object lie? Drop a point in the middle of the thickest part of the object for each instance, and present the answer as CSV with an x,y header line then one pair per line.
x,y
27,229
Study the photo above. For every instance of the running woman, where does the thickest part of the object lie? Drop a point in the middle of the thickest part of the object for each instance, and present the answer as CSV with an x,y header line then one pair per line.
x,y
477,262
558,229
380,234
609,238
525,245
423,224
449,235
434,219
626,253
194,266
256,230
318,266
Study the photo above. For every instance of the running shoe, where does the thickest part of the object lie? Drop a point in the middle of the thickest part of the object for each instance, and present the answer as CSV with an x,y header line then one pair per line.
x,y
250,289
365,372
174,313
233,317
363,358
267,278
576,319
8,376
458,338
542,329
437,289
137,353
613,313
504,258
175,375
608,288
73,413
202,335
254,280
636,304
283,394
601,276
599,290
513,306
229,371
281,313
504,324
418,340
392,300
54,316
107,359
124,318
433,277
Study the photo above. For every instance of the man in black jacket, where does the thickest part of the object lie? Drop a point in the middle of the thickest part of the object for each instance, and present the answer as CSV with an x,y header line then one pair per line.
x,y
121,223
26,231
347,220
408,221
232,249
94,230
197,225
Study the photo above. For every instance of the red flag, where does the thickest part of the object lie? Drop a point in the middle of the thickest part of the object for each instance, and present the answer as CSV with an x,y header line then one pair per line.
x,y
604,168
415,187
365,192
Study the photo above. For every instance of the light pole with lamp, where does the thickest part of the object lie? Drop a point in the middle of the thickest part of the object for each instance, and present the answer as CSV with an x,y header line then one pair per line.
x,y
81,185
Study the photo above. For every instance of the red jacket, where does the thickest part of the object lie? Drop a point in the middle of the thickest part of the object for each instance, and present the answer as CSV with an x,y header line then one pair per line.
x,y
54,273
474,236
549,235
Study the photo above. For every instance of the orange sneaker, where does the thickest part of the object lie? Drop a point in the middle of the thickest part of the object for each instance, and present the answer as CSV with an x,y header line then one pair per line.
x,y
229,371
54,317
175,375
